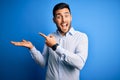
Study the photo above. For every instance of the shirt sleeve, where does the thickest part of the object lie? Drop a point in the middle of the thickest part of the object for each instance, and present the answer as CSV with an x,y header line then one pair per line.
x,y
78,58
40,58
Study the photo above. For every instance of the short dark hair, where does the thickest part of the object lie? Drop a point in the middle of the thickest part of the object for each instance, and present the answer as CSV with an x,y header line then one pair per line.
x,y
60,6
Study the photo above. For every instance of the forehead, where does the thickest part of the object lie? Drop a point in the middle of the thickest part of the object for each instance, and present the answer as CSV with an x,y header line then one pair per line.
x,y
62,11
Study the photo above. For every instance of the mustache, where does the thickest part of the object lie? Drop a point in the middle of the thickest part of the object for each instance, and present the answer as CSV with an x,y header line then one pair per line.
x,y
59,29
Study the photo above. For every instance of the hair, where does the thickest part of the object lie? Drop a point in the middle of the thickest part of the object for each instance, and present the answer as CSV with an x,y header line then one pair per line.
x,y
60,6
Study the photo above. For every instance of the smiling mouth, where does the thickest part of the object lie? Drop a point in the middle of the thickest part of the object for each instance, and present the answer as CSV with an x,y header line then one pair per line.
x,y
64,25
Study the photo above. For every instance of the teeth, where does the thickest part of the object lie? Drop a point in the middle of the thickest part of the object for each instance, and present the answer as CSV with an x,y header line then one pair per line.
x,y
64,24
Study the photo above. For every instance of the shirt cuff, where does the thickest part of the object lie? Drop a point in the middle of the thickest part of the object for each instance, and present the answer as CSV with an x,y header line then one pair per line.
x,y
59,50
33,50
62,53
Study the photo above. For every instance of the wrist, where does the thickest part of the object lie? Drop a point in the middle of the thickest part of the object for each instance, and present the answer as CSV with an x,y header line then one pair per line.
x,y
54,47
30,47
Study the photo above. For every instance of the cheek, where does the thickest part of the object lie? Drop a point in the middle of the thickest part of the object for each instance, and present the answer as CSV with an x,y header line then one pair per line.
x,y
70,19
58,22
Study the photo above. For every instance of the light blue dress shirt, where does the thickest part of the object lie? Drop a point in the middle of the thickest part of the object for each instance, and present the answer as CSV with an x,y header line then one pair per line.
x,y
68,59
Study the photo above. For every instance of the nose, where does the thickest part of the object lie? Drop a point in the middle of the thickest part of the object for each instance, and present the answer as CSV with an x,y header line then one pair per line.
x,y
63,19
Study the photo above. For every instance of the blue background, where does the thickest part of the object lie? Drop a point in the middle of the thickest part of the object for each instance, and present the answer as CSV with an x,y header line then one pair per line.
x,y
23,19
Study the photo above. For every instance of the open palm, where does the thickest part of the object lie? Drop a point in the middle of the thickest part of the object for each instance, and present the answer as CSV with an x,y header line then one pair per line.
x,y
24,43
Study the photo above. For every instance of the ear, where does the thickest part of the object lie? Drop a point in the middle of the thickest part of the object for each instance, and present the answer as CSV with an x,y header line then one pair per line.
x,y
54,20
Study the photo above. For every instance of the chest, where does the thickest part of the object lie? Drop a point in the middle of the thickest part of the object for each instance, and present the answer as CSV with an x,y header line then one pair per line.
x,y
68,43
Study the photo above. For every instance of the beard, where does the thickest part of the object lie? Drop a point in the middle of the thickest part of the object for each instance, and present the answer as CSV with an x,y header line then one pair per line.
x,y
60,30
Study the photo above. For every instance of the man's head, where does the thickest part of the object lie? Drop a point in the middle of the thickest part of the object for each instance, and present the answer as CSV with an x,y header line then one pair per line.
x,y
62,17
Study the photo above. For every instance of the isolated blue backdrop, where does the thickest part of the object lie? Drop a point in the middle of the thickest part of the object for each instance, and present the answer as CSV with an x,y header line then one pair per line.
x,y
23,19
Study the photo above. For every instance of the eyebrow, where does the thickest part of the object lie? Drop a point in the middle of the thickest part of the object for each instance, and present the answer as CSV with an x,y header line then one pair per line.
x,y
67,13
64,13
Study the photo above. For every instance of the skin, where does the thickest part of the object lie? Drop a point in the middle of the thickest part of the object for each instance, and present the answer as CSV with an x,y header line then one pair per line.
x,y
62,20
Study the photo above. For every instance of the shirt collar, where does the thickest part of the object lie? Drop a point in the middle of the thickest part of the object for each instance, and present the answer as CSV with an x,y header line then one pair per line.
x,y
70,32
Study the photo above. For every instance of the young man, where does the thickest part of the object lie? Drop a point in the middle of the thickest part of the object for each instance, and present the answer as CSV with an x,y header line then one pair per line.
x,y
65,50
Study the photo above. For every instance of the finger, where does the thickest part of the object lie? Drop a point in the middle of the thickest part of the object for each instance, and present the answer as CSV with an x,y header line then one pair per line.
x,y
24,40
15,43
43,35
12,42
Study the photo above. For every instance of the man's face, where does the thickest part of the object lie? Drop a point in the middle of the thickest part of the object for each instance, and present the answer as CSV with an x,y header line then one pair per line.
x,y
63,20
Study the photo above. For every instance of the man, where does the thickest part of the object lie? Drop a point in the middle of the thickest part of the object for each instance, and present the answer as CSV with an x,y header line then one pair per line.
x,y
65,51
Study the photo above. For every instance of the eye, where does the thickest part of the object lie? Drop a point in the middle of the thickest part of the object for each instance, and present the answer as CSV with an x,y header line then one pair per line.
x,y
66,16
58,17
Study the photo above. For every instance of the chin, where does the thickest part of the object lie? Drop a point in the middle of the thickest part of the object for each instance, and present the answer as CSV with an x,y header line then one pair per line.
x,y
65,31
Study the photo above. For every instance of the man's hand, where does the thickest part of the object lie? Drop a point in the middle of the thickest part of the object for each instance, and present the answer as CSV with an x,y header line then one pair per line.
x,y
23,43
50,40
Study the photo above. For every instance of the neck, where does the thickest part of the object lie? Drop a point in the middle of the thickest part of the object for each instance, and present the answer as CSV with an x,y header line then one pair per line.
x,y
63,34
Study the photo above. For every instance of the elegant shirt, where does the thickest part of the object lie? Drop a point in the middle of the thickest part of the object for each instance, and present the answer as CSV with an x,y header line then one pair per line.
x,y
68,59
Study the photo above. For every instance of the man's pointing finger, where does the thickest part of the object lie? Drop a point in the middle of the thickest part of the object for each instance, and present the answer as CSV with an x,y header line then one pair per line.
x,y
43,35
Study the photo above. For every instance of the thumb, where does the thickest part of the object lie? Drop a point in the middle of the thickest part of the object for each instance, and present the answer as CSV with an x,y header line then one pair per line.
x,y
24,40
51,36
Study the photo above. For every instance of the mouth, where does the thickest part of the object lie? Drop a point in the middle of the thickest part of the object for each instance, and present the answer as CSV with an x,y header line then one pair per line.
x,y
64,25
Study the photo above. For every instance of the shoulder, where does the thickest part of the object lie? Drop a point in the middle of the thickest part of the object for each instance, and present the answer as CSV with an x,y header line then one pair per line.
x,y
81,34
81,37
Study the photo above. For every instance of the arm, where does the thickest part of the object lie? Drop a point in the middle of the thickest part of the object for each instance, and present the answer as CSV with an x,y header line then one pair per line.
x,y
78,58
37,56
